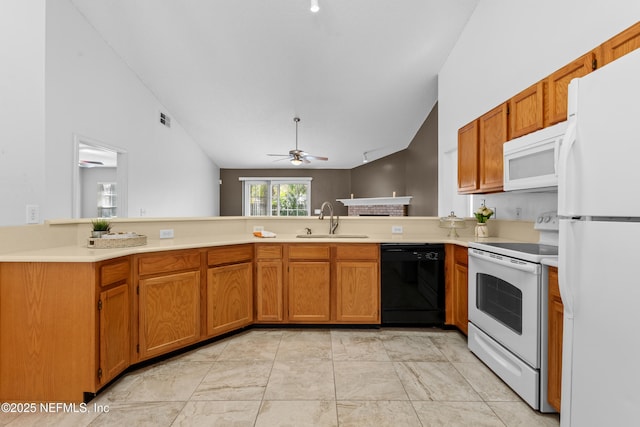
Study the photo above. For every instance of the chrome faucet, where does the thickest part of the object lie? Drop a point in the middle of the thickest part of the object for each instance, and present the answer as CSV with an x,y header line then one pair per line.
x,y
333,223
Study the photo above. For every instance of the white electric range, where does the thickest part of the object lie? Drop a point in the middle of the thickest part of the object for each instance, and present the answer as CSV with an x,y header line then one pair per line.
x,y
508,307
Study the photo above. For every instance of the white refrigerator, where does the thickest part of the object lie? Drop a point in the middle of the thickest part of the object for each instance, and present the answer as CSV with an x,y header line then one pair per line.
x,y
599,248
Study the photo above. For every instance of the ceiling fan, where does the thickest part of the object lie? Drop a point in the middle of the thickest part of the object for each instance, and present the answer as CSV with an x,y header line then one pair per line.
x,y
297,157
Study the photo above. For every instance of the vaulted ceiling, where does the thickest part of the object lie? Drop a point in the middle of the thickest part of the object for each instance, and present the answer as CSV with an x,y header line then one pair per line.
x,y
360,74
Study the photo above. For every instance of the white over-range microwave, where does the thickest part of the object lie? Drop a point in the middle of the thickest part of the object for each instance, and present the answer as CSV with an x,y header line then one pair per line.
x,y
531,161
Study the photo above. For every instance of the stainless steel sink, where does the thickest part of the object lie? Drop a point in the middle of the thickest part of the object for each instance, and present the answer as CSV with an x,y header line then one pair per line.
x,y
332,236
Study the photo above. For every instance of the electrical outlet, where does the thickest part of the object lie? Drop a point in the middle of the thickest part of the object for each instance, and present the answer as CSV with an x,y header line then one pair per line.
x,y
166,234
33,214
518,213
258,228
396,229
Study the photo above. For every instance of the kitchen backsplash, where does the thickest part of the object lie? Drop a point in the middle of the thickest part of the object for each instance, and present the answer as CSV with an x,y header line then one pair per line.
x,y
518,205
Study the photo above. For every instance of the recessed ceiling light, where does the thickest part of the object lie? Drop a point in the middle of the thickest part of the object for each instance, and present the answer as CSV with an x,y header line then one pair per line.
x,y
315,7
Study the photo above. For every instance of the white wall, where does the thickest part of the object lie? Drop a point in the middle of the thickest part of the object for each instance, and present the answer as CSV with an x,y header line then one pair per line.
x,y
66,80
506,47
90,91
22,67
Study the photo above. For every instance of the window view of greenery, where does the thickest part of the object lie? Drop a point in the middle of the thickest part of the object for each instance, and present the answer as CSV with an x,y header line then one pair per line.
x,y
258,200
285,198
289,200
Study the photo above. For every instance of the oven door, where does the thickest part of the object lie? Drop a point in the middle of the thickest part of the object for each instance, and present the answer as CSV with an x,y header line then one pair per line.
x,y
504,302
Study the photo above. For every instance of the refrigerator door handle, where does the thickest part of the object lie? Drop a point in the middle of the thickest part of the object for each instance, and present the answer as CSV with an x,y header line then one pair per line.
x,y
563,283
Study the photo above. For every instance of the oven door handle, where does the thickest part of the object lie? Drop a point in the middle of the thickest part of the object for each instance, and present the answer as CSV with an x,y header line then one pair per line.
x,y
505,261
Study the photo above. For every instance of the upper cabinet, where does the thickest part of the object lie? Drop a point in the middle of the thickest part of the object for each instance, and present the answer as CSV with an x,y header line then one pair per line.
x,y
620,45
558,84
480,143
526,111
468,162
480,152
493,134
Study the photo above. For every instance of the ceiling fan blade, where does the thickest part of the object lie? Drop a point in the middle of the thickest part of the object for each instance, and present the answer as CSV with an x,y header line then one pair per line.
x,y
279,155
312,157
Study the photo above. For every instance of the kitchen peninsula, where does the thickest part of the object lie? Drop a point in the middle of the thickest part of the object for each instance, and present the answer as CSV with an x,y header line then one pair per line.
x,y
74,318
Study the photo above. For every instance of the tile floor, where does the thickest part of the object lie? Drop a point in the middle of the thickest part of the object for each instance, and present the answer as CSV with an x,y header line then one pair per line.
x,y
310,377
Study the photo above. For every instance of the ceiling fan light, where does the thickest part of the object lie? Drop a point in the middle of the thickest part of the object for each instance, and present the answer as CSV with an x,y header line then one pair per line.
x,y
315,7
296,162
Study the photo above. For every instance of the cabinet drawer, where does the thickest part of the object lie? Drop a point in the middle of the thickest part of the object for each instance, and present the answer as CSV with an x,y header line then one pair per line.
x,y
114,272
357,251
168,262
309,252
229,254
269,251
460,255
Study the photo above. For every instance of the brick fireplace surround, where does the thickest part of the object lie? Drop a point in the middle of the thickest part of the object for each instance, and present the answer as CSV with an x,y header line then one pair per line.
x,y
377,206
378,210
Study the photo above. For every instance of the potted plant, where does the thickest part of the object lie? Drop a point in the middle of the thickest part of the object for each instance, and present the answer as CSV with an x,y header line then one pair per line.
x,y
482,216
100,226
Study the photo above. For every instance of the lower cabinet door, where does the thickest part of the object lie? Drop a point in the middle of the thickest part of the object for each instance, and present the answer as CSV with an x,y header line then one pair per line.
x,y
169,312
358,292
269,291
229,298
461,304
309,291
115,332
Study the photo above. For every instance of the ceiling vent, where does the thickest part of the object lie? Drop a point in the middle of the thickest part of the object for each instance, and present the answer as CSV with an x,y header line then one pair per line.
x,y
165,120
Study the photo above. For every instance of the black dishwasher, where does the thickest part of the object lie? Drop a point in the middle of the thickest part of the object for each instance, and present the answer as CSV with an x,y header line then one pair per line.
x,y
412,284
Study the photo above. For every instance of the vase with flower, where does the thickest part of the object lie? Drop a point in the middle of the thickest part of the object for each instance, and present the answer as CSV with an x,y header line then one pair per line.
x,y
482,215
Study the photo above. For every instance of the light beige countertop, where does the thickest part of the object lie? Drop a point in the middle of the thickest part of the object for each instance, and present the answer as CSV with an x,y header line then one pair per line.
x,y
66,241
75,253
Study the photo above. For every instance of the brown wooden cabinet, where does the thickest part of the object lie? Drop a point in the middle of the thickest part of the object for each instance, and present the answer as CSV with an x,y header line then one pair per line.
x,y
358,283
309,283
526,111
229,288
480,155
480,143
555,322
269,283
493,134
468,160
134,308
456,287
114,318
323,283
623,43
48,337
168,301
558,85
